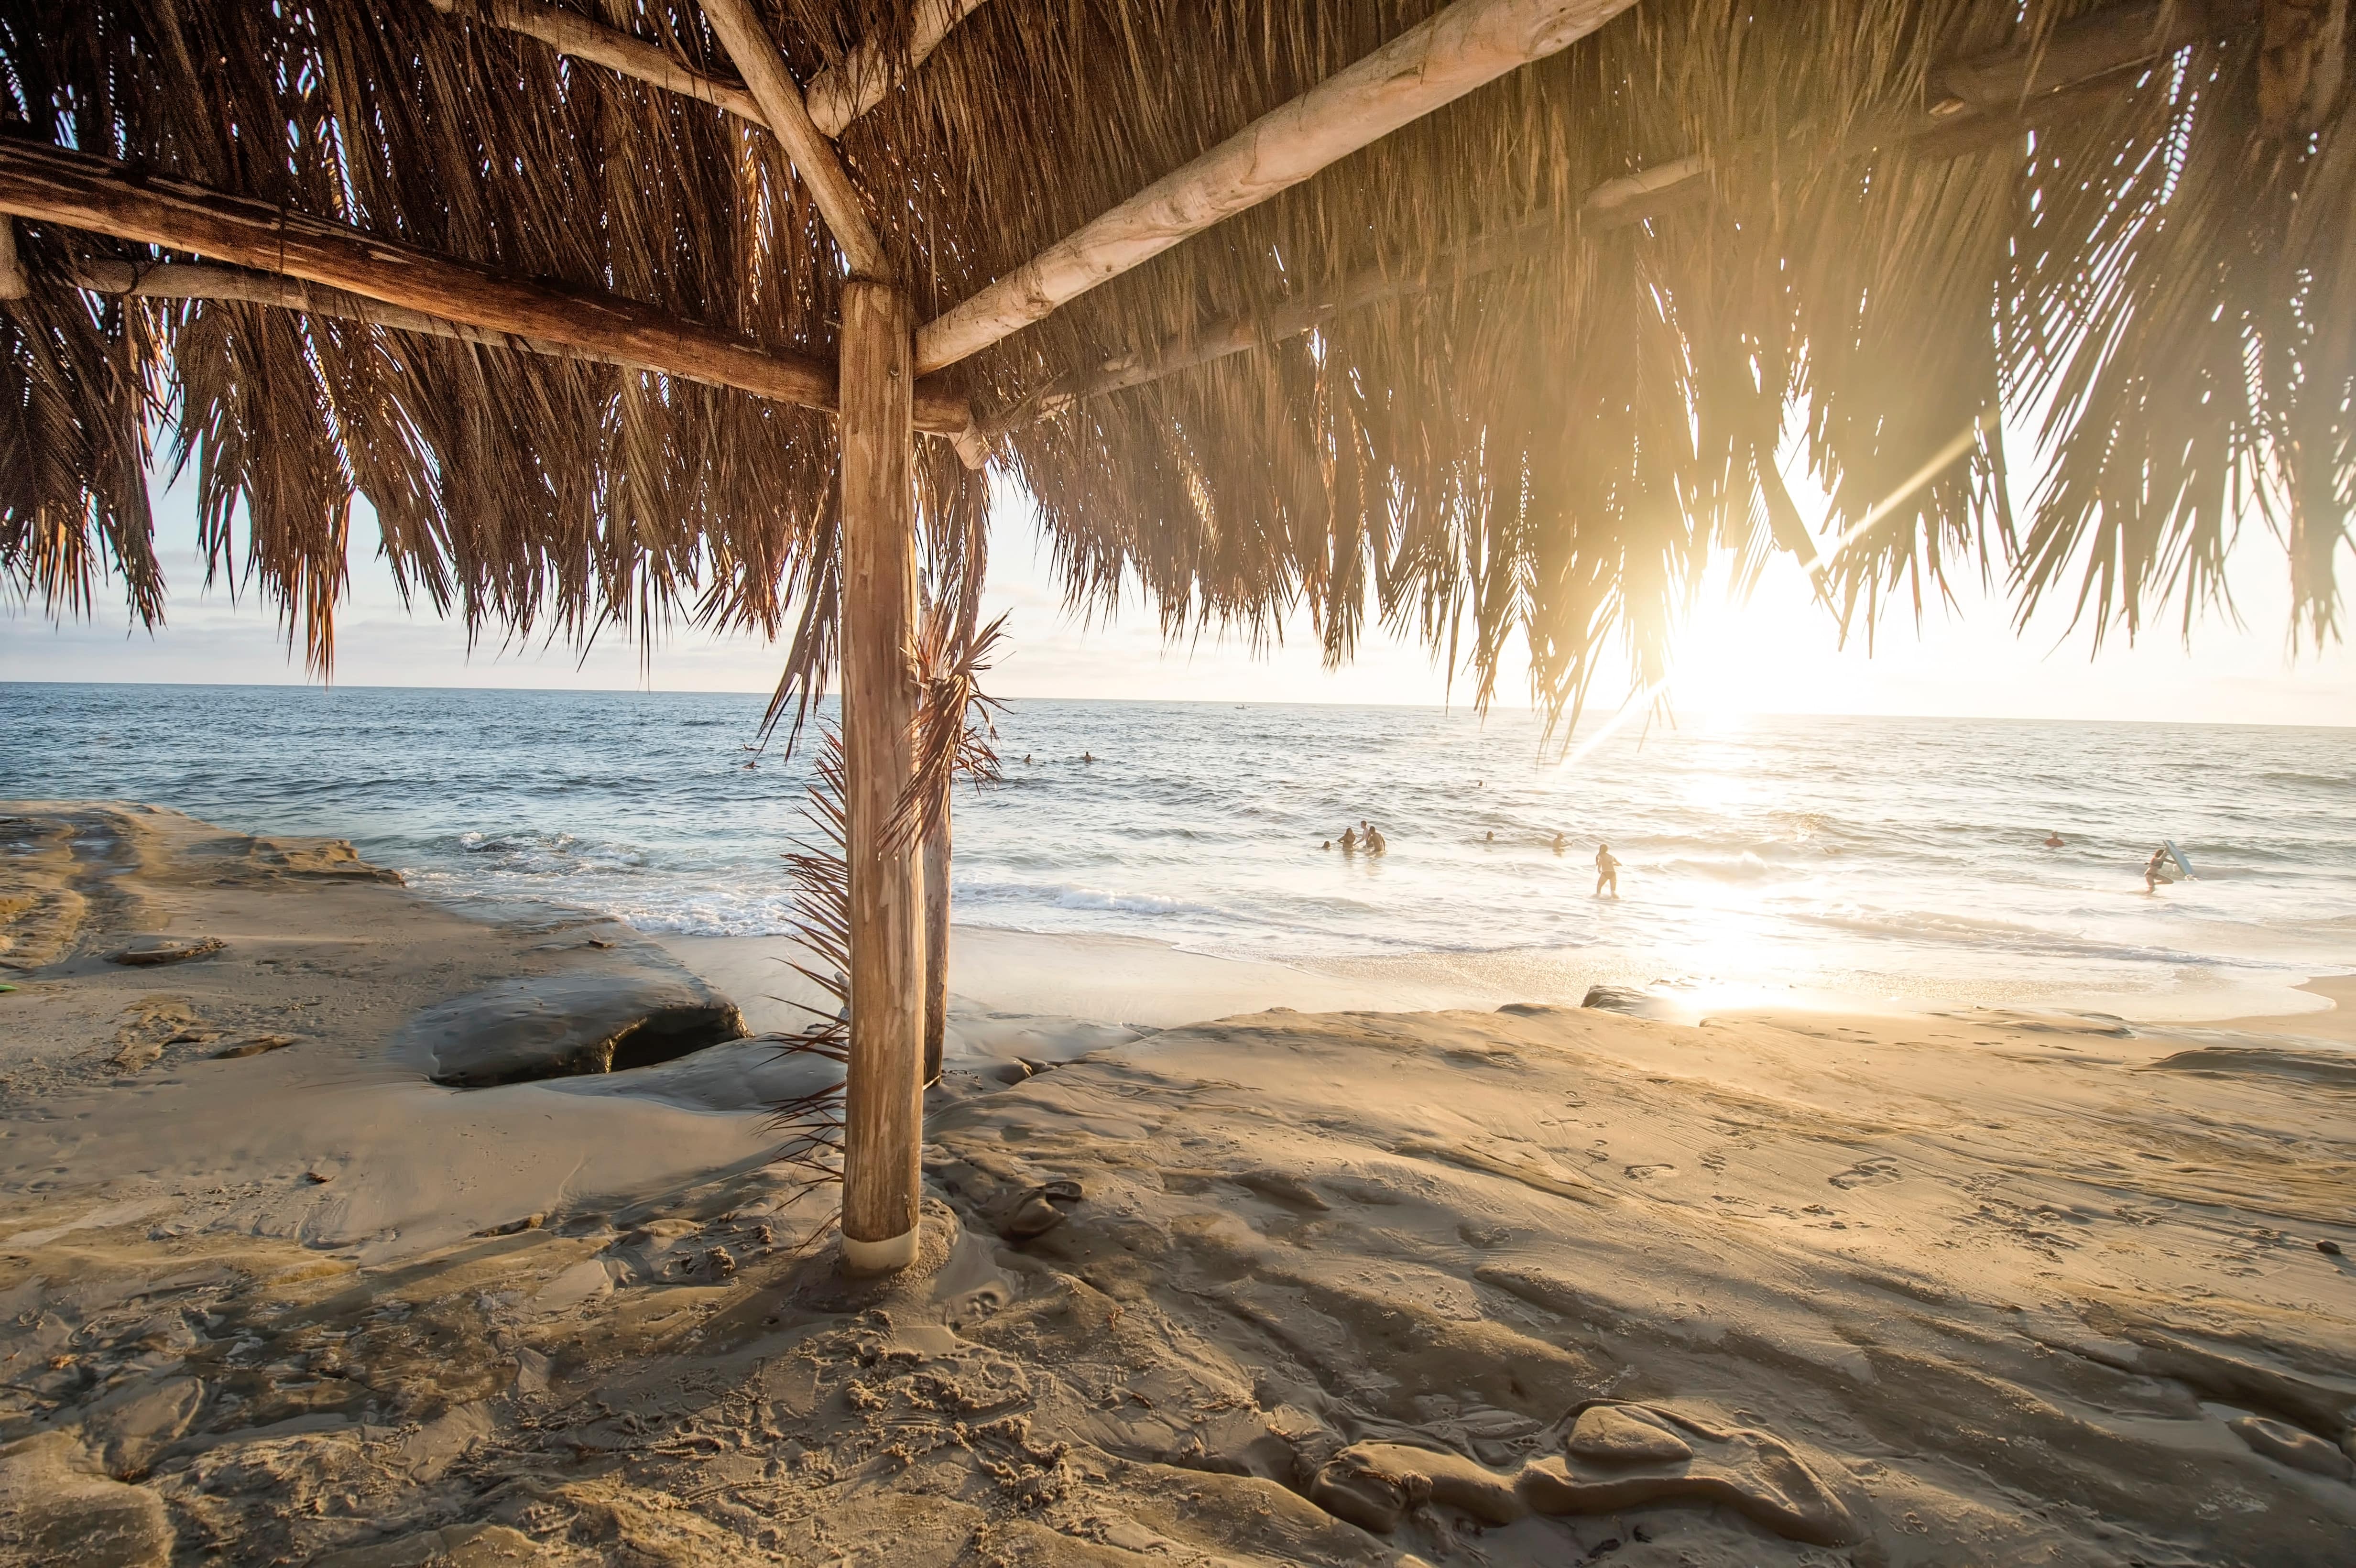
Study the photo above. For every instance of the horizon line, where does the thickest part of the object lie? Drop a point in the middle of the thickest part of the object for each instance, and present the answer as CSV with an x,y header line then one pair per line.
x,y
329,688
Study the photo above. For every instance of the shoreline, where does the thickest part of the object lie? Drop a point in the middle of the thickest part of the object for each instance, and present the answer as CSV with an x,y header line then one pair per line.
x,y
326,1243
2334,1021
1159,984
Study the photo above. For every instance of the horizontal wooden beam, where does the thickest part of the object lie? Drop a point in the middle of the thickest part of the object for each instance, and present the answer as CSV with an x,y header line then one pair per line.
x,y
814,156
570,33
1980,99
835,96
842,92
1471,43
2010,88
202,281
2093,45
75,191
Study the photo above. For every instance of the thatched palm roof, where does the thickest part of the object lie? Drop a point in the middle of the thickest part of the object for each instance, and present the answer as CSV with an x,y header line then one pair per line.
x,y
1559,326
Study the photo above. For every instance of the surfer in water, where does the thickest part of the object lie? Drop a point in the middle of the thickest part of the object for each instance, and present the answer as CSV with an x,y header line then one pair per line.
x,y
2151,870
1607,870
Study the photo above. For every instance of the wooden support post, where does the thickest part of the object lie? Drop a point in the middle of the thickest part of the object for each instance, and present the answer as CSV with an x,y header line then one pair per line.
x,y
936,944
884,1099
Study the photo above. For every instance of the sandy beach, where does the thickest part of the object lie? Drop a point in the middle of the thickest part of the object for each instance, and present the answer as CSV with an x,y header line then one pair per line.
x,y
338,1228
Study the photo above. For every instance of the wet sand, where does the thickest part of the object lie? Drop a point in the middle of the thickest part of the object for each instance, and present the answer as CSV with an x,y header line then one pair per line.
x,y
1381,1282
2336,1022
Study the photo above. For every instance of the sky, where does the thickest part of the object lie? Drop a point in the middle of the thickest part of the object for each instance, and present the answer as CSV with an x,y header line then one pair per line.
x,y
1778,651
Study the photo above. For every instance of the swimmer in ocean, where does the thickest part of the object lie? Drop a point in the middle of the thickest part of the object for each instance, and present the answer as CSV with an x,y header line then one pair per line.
x,y
2054,840
1375,842
1557,843
1349,841
1607,870
1087,756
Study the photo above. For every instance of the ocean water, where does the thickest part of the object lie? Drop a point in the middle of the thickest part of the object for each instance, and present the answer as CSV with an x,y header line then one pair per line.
x,y
1874,859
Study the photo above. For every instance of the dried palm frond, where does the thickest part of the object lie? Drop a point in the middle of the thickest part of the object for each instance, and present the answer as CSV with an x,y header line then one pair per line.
x,y
810,1125
951,724
2151,262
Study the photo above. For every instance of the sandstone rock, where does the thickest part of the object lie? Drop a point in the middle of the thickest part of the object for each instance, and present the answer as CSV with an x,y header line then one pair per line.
x,y
1754,1474
56,1507
561,1025
1376,1485
1034,1216
133,1425
1622,1434
2286,1444
146,952
322,858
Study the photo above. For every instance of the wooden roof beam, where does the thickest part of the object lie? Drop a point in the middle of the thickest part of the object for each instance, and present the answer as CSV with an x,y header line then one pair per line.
x,y
1471,43
570,33
835,96
74,190
202,281
842,92
2084,47
748,43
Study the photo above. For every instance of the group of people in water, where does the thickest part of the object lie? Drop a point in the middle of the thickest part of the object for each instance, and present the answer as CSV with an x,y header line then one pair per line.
x,y
1367,838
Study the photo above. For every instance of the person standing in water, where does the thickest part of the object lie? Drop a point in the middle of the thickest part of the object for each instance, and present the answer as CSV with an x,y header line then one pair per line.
x,y
2052,840
1375,842
2151,877
1607,870
1557,843
1349,841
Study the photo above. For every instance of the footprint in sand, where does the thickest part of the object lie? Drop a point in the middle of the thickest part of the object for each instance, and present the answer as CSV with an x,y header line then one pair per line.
x,y
1646,1173
1867,1173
